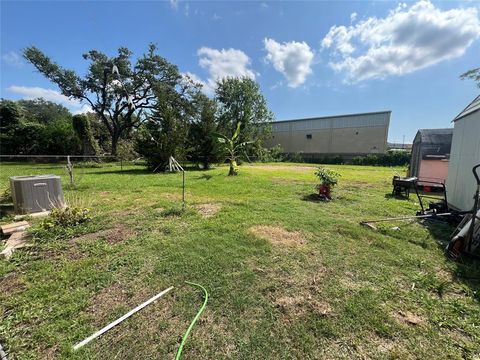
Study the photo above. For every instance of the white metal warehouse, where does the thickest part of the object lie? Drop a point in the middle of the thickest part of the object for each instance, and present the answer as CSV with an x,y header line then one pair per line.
x,y
342,135
464,154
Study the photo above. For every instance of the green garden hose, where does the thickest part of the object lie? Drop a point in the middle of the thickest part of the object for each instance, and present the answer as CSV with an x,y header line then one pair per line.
x,y
184,339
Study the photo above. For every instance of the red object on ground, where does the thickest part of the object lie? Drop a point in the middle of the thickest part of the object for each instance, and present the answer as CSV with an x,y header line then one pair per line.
x,y
427,189
325,191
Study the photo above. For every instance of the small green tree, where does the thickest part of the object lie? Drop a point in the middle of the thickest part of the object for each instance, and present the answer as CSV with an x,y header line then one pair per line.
x,y
232,147
203,147
241,101
165,132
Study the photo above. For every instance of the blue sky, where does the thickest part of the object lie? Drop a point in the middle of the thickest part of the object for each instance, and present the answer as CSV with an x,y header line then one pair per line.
x,y
310,58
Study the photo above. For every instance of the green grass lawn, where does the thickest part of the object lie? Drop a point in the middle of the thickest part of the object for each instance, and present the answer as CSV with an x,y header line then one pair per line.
x,y
331,289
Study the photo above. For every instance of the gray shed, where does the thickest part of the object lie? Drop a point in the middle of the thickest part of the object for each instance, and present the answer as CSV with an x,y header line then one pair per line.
x,y
430,154
465,155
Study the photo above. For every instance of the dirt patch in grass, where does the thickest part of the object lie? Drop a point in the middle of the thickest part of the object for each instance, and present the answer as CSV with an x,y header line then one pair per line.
x,y
208,210
278,235
408,318
106,300
444,275
299,304
114,235
11,284
287,181
171,196
355,185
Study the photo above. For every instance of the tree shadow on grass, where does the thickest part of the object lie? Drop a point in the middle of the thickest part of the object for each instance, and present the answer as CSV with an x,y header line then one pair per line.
x,y
125,172
204,177
145,171
391,196
314,198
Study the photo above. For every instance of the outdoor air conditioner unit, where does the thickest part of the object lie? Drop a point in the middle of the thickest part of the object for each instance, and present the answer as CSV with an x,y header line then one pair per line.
x,y
38,193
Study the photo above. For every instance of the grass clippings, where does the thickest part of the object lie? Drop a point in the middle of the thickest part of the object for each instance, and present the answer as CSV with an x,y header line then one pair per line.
x,y
278,235
208,210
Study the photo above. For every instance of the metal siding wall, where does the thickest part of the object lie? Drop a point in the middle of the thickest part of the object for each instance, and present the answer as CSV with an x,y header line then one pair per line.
x,y
465,153
333,135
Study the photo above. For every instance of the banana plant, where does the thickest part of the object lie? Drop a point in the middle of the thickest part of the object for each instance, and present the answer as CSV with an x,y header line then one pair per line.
x,y
232,147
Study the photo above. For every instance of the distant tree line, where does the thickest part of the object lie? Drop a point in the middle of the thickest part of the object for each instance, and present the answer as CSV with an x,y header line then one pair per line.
x,y
146,108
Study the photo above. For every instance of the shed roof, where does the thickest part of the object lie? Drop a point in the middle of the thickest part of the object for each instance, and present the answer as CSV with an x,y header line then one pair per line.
x,y
471,108
435,136
433,142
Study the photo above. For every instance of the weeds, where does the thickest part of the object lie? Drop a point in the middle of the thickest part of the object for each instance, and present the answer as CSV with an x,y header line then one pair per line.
x,y
6,196
66,217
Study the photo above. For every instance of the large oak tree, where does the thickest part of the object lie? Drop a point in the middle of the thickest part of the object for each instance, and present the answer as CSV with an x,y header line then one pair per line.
x,y
118,91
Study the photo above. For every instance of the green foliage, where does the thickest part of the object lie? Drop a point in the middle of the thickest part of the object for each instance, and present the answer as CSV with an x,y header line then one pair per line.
x,y
58,138
294,157
41,128
327,177
83,129
232,147
273,154
43,111
473,74
116,90
203,148
165,132
126,150
10,114
391,158
66,217
6,195
241,101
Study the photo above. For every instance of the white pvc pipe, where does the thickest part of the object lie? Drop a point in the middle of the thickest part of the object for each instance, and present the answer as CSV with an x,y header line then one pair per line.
x,y
119,320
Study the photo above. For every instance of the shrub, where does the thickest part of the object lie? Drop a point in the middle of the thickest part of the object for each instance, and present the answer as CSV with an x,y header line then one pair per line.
x,y
66,217
6,196
295,158
327,177
391,158
273,154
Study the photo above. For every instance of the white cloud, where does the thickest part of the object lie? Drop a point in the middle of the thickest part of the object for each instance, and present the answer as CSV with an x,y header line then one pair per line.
x,y
292,59
30,93
13,59
353,16
408,39
174,4
223,63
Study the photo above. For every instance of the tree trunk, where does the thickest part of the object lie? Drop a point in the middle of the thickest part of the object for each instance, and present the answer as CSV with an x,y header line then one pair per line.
x,y
233,168
115,139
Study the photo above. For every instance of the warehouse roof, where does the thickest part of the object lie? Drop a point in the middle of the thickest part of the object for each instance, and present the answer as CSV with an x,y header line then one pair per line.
x,y
335,116
471,108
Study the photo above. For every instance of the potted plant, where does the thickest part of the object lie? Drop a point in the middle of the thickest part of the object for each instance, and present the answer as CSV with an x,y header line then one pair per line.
x,y
328,179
